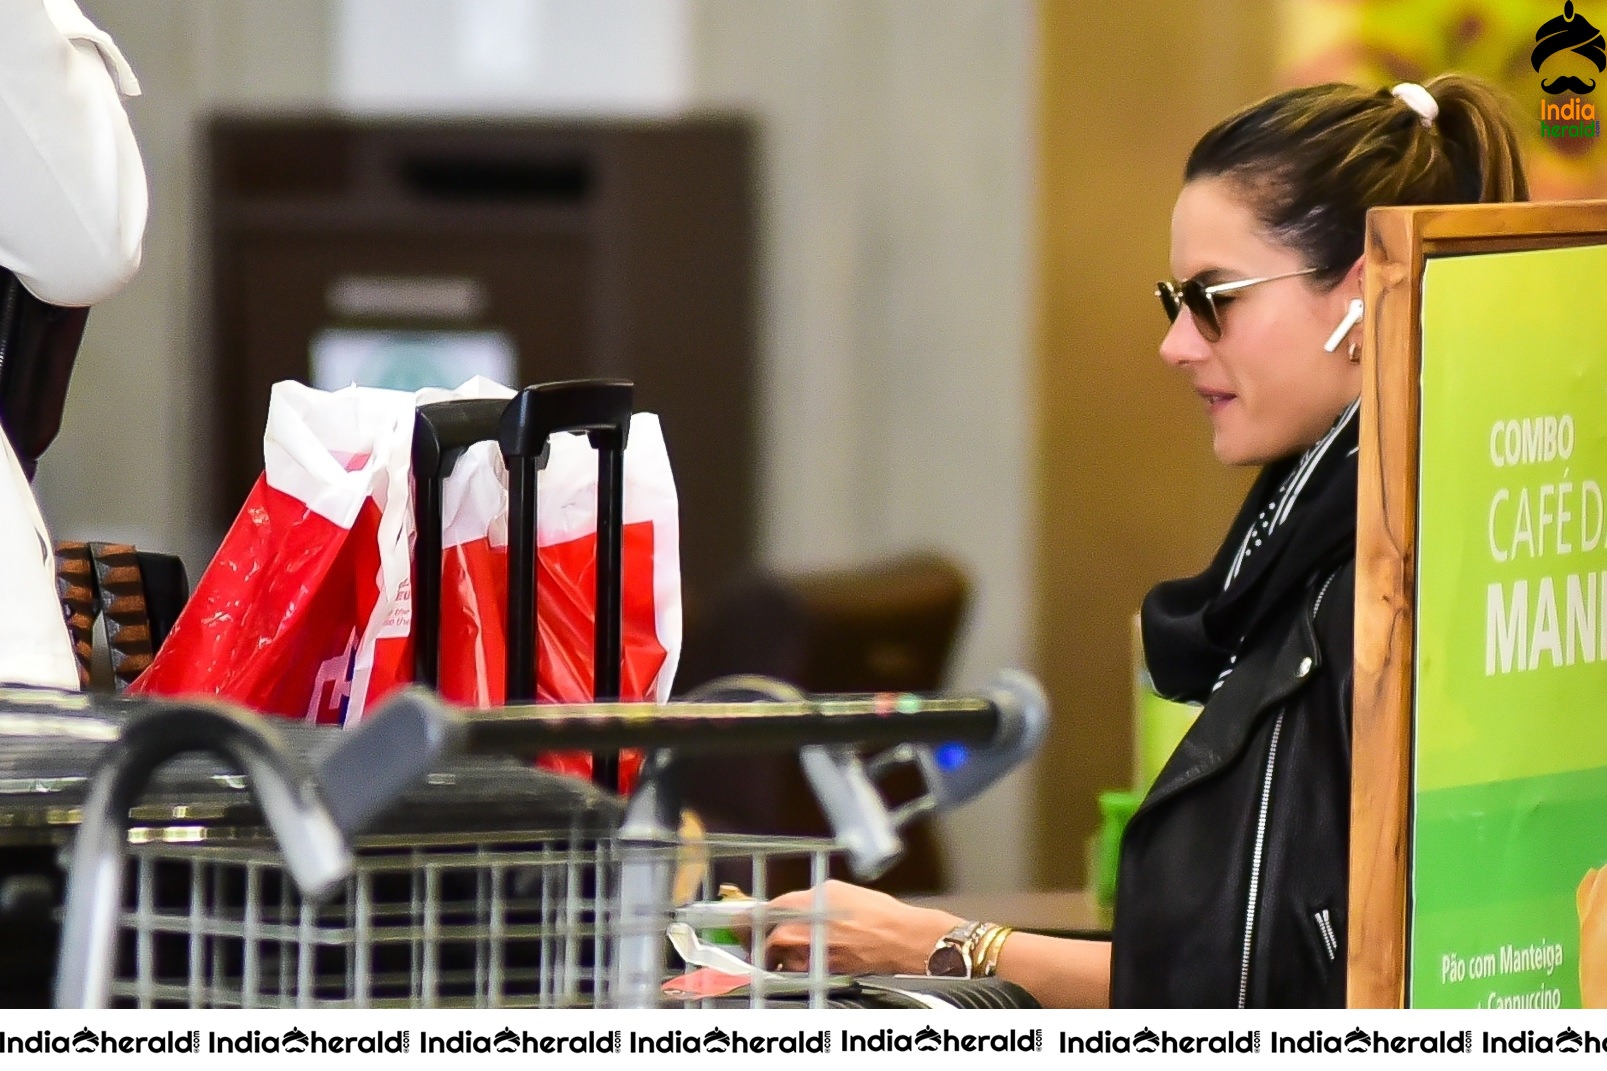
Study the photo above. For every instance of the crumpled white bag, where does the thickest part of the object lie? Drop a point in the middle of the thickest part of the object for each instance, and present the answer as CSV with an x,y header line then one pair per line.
x,y
35,647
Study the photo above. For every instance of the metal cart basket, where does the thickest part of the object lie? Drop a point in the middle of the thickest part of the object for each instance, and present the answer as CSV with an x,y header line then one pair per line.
x,y
518,919
471,881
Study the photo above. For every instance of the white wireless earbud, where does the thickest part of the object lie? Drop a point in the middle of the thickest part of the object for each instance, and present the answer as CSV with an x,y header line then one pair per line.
x,y
1352,318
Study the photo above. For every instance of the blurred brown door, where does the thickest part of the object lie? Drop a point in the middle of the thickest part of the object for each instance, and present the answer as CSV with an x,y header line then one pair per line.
x,y
1128,491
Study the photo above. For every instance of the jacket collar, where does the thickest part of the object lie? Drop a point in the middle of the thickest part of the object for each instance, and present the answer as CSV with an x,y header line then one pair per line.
x,y
1263,681
1299,520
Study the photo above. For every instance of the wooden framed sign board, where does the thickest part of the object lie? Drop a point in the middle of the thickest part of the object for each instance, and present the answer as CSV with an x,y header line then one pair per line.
x,y
1479,803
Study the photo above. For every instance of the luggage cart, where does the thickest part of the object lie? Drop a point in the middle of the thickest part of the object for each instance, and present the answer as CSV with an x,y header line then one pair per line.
x,y
489,884
570,910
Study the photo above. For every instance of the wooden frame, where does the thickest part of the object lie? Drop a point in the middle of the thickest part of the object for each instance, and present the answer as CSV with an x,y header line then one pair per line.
x,y
1398,242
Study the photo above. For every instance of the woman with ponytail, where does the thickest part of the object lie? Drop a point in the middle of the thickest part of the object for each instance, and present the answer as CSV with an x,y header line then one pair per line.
x,y
1233,878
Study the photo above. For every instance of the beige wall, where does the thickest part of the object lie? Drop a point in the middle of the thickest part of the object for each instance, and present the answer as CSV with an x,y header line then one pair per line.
x,y
896,289
1128,492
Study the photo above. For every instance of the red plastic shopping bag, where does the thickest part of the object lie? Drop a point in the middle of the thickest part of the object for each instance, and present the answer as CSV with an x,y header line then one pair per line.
x,y
307,609
276,620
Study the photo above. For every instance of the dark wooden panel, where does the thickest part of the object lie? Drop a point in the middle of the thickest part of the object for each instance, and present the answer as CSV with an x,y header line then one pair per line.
x,y
536,292
605,248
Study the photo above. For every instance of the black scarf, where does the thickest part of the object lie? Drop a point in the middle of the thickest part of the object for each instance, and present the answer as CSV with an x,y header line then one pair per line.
x,y
1298,519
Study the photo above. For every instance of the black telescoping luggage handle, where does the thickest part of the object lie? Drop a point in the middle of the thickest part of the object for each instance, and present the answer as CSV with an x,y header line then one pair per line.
x,y
522,426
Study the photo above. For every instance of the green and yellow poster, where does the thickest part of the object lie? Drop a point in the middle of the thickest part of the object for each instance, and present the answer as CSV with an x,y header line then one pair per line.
x,y
1510,726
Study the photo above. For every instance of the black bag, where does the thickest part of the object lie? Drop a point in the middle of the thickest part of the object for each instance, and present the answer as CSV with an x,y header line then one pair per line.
x,y
38,345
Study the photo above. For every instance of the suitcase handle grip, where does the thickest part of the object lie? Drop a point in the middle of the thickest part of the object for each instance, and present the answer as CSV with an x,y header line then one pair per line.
x,y
601,407
442,430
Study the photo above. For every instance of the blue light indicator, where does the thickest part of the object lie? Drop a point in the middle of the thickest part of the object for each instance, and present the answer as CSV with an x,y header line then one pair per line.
x,y
950,757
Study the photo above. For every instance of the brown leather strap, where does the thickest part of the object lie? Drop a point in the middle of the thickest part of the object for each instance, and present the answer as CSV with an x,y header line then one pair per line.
x,y
122,603
75,586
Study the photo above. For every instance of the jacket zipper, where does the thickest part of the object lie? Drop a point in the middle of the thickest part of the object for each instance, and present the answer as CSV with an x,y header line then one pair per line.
x,y
1325,924
1255,863
1261,842
1316,606
1330,940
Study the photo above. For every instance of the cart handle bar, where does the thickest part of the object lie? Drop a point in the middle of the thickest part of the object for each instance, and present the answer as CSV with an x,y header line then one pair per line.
x,y
880,719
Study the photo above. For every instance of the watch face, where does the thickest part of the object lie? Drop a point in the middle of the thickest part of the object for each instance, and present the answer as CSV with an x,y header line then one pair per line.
x,y
947,961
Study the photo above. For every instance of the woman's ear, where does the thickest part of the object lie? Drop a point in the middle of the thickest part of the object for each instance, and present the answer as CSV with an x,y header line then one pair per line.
x,y
1351,284
1348,290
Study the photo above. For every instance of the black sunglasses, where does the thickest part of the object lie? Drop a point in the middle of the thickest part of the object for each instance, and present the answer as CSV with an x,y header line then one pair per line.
x,y
1200,300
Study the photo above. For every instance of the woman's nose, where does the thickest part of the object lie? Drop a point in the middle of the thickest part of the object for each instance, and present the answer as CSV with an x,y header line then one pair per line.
x,y
1183,344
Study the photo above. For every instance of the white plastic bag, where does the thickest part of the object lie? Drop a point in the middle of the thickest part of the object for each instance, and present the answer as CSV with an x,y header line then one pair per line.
x,y
35,648
307,610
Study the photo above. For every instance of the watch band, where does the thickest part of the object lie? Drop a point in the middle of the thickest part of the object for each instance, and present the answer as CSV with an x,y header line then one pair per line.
x,y
952,955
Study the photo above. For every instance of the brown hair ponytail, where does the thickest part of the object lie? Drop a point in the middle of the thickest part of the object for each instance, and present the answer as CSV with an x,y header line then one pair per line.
x,y
1475,123
1310,162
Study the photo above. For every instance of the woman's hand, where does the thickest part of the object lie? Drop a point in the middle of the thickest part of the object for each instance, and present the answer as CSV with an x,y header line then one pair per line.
x,y
867,932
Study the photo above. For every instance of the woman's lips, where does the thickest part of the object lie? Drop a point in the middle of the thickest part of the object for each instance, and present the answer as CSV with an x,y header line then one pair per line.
x,y
1215,400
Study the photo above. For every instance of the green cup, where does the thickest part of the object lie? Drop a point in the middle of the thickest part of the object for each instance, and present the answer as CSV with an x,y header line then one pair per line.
x,y
1115,808
1161,725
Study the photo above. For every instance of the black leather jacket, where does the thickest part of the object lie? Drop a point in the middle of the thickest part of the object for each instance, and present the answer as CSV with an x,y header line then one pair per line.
x,y
1232,885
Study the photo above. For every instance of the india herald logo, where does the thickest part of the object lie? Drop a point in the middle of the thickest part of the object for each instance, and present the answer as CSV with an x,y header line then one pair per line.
x,y
1567,35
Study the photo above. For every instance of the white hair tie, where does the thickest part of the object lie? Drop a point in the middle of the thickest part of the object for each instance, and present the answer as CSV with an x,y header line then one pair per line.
x,y
1419,100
